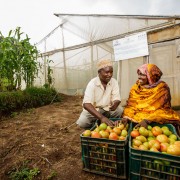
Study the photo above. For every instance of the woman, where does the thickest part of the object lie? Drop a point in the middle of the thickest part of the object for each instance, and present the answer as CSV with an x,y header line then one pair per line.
x,y
150,99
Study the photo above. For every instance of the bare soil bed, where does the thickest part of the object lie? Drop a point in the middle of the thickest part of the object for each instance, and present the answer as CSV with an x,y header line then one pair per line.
x,y
39,138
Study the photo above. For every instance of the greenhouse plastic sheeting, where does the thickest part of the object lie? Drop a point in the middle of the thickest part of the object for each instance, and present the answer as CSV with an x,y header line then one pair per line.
x,y
79,42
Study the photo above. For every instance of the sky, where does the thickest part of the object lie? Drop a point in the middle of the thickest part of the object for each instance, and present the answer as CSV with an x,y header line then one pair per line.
x,y
36,17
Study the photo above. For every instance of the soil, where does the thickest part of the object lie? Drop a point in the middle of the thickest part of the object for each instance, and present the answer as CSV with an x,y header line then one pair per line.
x,y
46,138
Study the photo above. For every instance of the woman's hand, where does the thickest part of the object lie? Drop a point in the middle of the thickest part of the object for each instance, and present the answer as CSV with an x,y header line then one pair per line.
x,y
123,121
143,123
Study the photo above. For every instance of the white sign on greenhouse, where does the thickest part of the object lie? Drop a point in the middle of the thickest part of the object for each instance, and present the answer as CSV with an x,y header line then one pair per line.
x,y
131,47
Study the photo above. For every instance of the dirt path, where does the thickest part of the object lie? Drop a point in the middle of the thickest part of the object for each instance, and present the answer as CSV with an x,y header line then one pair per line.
x,y
36,138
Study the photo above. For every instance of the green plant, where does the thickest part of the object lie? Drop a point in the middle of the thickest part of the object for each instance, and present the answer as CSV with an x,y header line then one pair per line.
x,y
46,85
29,98
49,73
18,60
52,175
14,114
24,174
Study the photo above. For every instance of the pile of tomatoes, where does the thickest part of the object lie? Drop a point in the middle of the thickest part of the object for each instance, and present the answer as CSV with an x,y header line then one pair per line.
x,y
157,139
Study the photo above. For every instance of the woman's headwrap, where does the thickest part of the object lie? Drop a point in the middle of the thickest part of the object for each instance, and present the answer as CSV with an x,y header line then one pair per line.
x,y
152,72
104,63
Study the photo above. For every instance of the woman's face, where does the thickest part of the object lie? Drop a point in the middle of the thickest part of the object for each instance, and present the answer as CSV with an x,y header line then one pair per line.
x,y
143,80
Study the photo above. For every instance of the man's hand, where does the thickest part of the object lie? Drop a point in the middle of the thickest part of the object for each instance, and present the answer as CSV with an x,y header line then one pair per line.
x,y
107,121
114,105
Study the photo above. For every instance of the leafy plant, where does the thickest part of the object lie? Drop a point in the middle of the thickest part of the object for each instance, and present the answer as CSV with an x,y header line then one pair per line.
x,y
52,175
24,174
49,75
29,98
18,59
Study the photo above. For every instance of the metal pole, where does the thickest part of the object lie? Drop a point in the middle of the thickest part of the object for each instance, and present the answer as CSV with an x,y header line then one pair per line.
x,y
45,71
92,63
64,61
119,73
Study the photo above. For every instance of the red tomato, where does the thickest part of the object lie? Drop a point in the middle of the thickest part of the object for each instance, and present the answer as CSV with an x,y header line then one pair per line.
x,y
156,130
113,136
134,133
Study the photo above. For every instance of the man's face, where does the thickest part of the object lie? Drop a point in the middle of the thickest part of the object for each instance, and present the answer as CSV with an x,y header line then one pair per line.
x,y
105,74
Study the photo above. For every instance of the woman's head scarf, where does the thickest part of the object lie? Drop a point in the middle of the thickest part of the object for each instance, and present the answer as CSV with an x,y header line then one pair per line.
x,y
152,72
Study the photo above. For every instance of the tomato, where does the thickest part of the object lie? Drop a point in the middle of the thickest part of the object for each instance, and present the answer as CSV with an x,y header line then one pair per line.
x,y
113,136
121,126
163,147
109,129
162,138
156,145
117,130
137,142
156,130
87,133
154,149
173,150
167,132
135,147
150,138
104,134
102,126
95,134
143,131
122,138
154,142
124,133
134,133
173,136
177,143
146,144
143,147
150,134
141,138
171,141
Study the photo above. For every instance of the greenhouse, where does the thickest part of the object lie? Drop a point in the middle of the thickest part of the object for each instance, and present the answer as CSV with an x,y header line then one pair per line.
x,y
74,47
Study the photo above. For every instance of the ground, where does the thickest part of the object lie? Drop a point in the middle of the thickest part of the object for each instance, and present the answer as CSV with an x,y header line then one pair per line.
x,y
46,138
38,138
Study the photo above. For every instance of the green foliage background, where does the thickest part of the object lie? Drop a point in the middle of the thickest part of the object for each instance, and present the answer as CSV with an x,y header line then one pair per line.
x,y
29,98
18,60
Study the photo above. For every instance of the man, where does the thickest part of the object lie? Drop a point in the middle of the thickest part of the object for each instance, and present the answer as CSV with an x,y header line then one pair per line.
x,y
101,100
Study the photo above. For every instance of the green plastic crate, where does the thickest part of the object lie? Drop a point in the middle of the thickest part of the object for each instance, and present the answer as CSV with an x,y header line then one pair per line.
x,y
148,165
105,157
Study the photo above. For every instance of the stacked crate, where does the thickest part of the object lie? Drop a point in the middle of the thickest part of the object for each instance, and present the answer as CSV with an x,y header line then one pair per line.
x,y
148,165
105,157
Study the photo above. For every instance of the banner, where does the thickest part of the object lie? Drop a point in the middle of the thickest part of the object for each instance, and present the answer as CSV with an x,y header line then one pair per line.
x,y
131,47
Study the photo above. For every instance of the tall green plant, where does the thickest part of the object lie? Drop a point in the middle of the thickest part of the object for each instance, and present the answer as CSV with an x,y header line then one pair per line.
x,y
18,59
49,73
